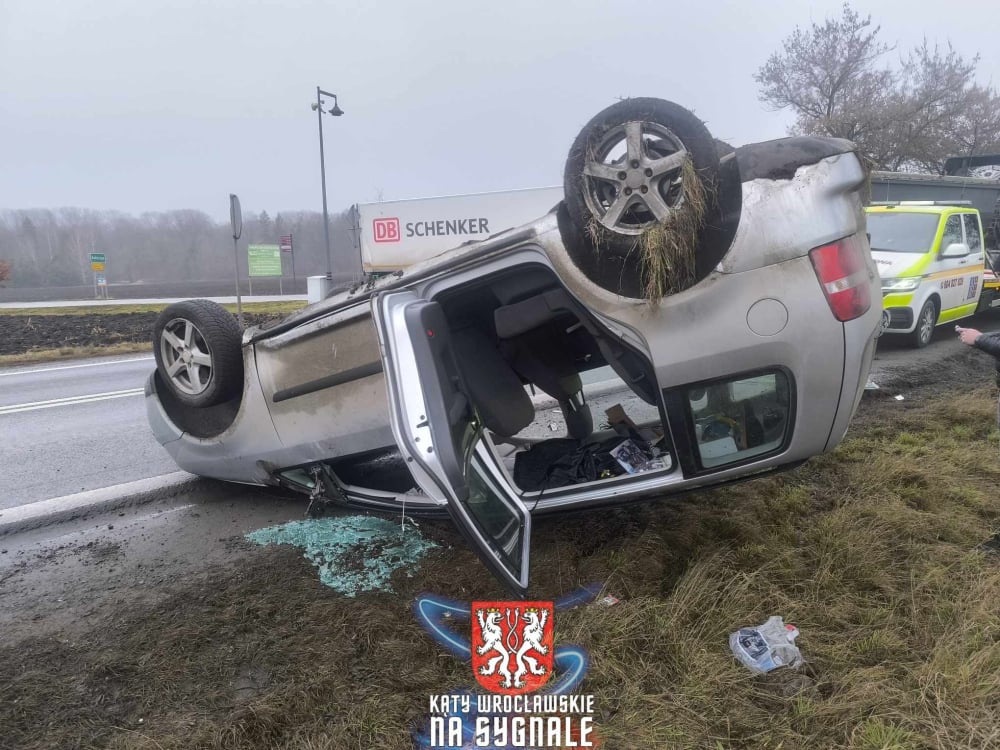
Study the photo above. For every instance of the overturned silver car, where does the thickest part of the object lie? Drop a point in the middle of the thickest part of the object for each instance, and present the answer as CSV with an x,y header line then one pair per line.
x,y
732,296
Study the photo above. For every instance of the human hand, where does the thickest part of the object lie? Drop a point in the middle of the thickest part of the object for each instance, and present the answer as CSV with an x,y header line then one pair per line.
x,y
967,335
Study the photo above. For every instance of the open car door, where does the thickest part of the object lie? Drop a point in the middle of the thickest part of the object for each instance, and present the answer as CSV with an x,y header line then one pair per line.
x,y
436,429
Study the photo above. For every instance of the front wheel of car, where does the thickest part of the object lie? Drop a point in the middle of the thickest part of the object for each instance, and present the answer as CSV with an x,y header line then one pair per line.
x,y
924,331
197,346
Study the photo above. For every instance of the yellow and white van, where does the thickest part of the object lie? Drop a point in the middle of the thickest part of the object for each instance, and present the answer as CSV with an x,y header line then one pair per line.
x,y
931,260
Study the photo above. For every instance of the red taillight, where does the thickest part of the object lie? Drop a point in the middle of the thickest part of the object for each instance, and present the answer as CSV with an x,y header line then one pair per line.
x,y
843,275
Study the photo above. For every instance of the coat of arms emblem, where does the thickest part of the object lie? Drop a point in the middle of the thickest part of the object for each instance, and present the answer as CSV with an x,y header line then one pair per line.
x,y
512,645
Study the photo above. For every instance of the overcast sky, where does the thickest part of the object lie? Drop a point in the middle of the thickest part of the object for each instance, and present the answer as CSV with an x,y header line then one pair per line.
x,y
140,105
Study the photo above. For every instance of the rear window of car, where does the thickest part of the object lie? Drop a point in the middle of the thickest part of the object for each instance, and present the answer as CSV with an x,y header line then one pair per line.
x,y
902,232
739,419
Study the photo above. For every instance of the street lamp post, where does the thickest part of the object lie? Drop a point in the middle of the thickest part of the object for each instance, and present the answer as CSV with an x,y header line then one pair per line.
x,y
336,111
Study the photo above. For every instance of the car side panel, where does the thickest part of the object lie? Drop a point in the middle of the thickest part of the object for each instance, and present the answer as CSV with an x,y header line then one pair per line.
x,y
324,386
706,333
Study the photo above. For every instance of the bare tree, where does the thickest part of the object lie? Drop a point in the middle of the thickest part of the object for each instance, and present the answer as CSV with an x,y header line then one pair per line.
x,y
835,77
4,271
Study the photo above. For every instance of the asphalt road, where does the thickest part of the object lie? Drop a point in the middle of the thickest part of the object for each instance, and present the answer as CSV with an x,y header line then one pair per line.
x,y
74,426
894,353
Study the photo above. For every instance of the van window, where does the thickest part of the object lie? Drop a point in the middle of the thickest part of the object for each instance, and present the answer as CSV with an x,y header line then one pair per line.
x,y
972,236
902,232
952,232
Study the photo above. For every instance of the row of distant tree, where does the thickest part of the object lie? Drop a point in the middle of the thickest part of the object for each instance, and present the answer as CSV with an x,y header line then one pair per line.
x,y
43,248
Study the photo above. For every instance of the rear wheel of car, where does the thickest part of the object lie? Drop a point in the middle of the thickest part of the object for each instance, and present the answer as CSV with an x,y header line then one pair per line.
x,y
638,182
197,345
924,331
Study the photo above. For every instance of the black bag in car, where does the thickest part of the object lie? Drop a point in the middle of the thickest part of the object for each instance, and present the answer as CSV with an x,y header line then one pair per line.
x,y
561,462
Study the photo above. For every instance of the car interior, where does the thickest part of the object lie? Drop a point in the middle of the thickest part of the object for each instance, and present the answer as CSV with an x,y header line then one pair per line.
x,y
520,333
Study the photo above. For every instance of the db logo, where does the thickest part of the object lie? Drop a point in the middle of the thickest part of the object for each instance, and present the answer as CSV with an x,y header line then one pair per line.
x,y
386,230
512,645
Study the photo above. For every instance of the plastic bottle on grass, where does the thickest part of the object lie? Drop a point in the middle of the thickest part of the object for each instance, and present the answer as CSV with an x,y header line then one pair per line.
x,y
766,646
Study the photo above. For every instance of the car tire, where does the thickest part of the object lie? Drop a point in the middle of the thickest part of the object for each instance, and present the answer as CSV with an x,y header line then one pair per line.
x,y
924,331
198,351
612,199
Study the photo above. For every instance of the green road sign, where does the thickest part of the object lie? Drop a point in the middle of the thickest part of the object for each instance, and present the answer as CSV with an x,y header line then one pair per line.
x,y
264,260
97,261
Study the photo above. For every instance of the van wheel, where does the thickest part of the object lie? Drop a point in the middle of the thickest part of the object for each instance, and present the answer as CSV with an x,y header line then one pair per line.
x,y
197,346
926,321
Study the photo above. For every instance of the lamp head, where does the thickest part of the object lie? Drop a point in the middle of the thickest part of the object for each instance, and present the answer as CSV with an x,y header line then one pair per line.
x,y
336,111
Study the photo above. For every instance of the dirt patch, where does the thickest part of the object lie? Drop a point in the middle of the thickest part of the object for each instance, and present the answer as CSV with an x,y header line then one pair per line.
x,y
20,334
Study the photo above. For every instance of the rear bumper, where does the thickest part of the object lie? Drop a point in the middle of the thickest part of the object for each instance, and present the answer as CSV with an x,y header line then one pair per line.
x,y
860,340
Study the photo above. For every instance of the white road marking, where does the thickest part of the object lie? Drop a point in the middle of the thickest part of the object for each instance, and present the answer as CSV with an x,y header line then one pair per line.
x,y
68,401
4,374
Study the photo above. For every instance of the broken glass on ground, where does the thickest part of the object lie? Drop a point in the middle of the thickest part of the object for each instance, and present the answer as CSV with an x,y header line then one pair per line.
x,y
353,554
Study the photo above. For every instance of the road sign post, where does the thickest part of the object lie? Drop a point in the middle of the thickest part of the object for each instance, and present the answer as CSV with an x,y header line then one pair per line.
x,y
97,264
286,245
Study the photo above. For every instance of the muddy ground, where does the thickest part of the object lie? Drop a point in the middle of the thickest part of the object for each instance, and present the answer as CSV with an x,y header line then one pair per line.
x,y
23,333
164,628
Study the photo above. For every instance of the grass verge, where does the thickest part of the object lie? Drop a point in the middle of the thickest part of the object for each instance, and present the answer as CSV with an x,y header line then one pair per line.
x,y
872,550
38,356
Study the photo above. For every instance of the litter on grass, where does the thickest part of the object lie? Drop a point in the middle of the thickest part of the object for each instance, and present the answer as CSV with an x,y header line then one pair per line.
x,y
353,554
766,646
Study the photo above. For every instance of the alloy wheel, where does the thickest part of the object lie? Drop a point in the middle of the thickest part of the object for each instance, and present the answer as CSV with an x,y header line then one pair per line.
x,y
634,176
187,358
